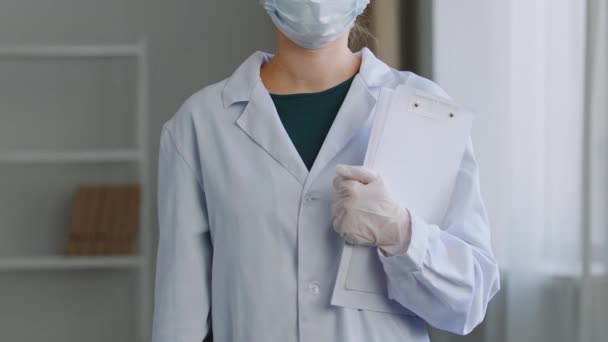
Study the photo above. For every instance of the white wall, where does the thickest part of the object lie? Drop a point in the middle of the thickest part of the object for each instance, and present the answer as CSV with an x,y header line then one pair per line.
x,y
471,62
519,64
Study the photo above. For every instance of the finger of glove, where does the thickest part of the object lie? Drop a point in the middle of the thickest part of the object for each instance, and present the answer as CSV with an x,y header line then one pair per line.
x,y
357,239
338,211
347,187
342,220
337,180
359,173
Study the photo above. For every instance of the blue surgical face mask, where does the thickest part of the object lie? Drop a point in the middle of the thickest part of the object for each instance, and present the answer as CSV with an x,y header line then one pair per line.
x,y
314,23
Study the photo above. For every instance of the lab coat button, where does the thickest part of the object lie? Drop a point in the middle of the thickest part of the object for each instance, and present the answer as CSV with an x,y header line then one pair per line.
x,y
314,288
310,197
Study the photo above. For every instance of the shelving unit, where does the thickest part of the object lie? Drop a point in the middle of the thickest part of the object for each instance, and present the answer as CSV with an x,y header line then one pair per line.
x,y
66,273
69,263
92,156
72,51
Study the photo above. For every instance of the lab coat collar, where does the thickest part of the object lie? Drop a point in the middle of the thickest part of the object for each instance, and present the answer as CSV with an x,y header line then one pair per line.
x,y
261,121
353,113
243,81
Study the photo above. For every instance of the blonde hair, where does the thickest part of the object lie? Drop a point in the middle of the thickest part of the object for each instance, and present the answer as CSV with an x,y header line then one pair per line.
x,y
361,35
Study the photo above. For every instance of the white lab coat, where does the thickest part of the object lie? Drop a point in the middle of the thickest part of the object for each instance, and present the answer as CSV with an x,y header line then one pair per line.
x,y
246,241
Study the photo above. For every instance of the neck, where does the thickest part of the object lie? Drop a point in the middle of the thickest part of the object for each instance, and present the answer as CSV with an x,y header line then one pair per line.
x,y
294,69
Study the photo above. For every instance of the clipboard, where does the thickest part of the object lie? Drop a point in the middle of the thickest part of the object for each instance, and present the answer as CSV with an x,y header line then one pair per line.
x,y
416,143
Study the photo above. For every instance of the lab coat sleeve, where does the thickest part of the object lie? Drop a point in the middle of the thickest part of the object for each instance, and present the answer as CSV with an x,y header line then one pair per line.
x,y
448,274
183,270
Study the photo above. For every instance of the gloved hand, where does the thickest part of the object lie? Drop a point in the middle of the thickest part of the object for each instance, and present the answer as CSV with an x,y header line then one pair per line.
x,y
365,213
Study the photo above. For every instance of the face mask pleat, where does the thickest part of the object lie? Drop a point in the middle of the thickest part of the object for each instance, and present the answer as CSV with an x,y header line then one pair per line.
x,y
314,23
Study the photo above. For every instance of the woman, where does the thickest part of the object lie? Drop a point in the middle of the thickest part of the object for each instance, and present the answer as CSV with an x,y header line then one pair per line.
x,y
256,170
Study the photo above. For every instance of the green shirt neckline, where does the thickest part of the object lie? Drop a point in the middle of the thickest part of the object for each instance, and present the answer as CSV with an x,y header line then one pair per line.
x,y
327,92
308,117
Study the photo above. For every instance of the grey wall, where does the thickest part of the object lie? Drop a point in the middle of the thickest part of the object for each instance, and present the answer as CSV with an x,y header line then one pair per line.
x,y
416,36
191,43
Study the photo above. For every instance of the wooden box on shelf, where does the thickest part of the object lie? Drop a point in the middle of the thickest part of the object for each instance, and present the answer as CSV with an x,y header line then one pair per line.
x,y
105,220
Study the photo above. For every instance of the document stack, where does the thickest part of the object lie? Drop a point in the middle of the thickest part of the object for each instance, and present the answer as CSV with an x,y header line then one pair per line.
x,y
416,144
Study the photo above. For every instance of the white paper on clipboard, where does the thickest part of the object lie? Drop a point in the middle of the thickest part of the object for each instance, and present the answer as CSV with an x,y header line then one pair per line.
x,y
416,143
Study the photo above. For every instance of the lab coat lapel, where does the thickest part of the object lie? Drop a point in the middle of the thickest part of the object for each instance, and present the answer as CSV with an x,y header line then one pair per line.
x,y
262,123
353,113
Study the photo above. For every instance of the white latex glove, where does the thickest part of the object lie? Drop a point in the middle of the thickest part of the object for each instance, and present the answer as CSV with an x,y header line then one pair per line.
x,y
365,213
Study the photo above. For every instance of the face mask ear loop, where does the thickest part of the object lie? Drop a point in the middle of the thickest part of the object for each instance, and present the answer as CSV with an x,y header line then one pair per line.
x,y
269,5
361,5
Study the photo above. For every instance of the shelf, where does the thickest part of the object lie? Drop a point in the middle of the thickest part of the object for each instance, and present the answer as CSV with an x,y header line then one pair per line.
x,y
70,51
93,156
69,263
102,159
